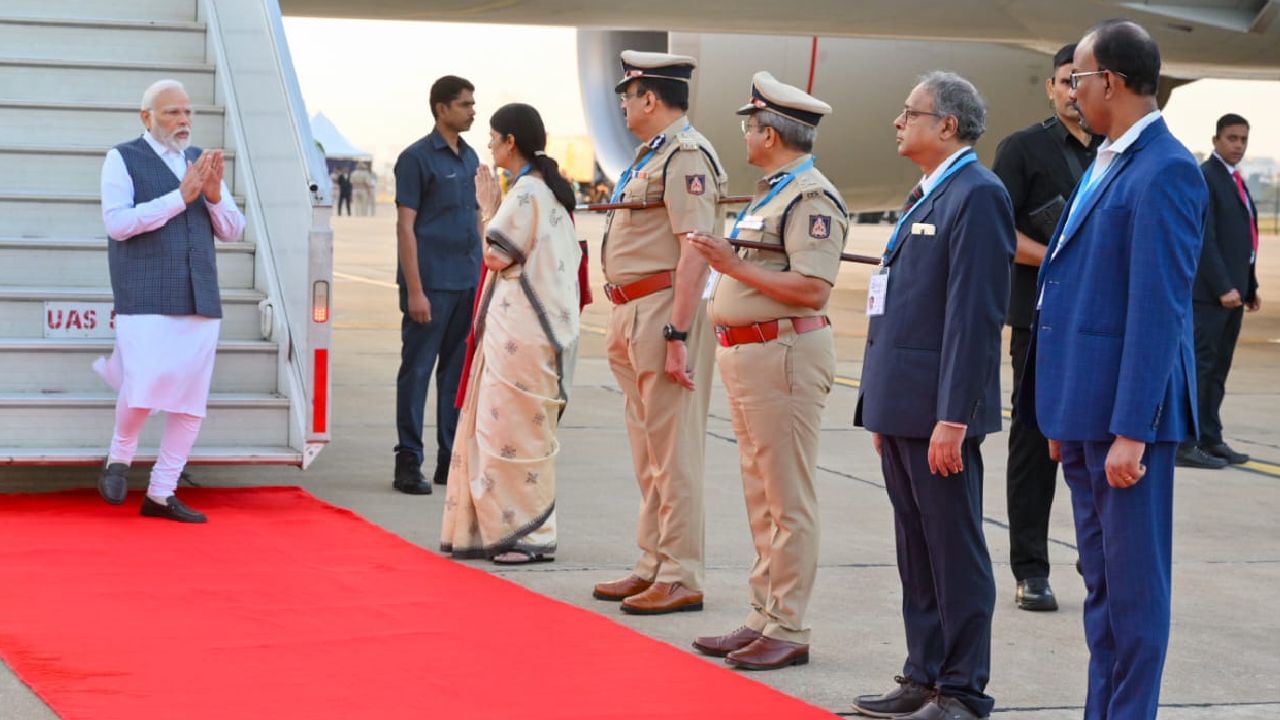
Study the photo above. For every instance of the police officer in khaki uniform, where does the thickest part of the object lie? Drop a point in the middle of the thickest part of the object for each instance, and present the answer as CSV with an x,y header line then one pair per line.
x,y
660,345
777,360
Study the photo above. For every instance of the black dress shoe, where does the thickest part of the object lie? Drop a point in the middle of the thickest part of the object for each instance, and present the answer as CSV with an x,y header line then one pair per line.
x,y
944,708
908,697
113,483
409,475
442,474
172,509
1035,594
1195,456
1224,452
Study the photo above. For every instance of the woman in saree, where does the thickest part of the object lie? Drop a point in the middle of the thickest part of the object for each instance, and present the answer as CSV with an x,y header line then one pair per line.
x,y
500,501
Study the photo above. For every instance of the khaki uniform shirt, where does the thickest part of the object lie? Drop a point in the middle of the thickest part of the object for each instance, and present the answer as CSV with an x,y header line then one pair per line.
x,y
808,220
685,173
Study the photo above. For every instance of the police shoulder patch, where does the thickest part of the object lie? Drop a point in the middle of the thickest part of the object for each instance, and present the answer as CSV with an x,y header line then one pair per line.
x,y
820,226
695,184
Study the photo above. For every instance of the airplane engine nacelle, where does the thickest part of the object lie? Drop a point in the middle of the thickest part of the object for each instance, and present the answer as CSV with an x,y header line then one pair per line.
x,y
864,81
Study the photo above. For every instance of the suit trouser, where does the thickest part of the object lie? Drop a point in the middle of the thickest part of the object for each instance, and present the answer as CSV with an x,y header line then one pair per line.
x,y
1217,330
667,426
1126,542
422,344
777,391
1031,480
948,591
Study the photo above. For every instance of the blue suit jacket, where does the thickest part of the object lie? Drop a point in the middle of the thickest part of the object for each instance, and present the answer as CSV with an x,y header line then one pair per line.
x,y
1113,346
935,352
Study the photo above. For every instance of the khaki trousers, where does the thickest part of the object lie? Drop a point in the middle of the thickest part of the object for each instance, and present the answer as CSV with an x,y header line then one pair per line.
x,y
777,391
667,426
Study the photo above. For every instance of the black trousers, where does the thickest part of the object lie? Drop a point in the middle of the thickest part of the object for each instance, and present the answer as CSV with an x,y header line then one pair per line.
x,y
1031,480
1217,329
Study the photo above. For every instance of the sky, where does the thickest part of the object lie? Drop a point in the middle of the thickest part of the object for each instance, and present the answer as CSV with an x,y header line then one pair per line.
x,y
371,78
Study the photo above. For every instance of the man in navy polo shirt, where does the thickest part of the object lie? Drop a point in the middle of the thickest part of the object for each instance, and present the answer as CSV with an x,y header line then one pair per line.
x,y
438,236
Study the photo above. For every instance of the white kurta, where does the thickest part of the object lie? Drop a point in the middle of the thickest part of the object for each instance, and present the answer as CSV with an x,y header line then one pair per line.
x,y
160,362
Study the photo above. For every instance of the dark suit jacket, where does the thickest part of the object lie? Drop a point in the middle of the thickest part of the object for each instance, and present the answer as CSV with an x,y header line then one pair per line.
x,y
935,352
1228,245
1113,342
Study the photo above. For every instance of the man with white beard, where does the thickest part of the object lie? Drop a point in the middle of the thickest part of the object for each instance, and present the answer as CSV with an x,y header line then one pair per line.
x,y
163,202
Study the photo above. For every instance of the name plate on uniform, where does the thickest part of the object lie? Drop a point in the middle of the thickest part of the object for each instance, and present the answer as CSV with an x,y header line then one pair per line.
x,y
751,222
79,319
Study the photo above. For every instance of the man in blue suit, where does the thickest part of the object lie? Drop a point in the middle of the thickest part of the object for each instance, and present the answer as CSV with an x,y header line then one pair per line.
x,y
931,393
1111,379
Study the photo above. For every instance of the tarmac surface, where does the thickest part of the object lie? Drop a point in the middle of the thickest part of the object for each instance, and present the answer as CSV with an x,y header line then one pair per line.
x,y
1224,657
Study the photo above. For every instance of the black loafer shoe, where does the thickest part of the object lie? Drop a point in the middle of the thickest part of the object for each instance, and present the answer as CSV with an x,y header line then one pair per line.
x,y
409,475
1224,451
172,509
113,483
1195,456
442,475
907,698
1035,594
944,708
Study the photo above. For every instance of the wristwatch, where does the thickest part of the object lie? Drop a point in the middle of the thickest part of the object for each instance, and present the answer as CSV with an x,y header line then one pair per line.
x,y
670,332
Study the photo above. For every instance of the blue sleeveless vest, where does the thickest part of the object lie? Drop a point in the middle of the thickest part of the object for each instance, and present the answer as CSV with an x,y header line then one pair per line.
x,y
171,270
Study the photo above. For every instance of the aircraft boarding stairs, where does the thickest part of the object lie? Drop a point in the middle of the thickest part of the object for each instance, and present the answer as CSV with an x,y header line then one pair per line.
x,y
72,73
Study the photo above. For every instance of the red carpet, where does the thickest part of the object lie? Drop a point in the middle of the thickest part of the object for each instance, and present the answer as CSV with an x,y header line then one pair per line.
x,y
286,607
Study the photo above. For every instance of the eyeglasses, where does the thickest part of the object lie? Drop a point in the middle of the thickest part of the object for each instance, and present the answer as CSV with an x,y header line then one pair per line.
x,y
623,97
747,127
1075,76
907,113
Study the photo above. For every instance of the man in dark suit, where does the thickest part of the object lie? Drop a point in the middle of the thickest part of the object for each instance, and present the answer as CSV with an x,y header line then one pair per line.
x,y
1226,285
1111,373
930,393
1040,166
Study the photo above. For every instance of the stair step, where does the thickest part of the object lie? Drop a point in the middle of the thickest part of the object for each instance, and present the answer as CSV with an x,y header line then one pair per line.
x,y
23,312
63,366
201,454
83,263
84,420
33,215
83,81
138,10
51,123
103,40
60,169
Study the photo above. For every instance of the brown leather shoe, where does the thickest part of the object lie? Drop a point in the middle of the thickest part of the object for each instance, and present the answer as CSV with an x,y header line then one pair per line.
x,y
767,653
721,645
663,598
621,589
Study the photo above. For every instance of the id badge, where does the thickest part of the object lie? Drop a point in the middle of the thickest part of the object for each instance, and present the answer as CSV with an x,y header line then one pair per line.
x,y
877,291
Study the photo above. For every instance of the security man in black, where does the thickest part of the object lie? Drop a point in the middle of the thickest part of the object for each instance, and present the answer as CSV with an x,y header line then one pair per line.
x,y
1040,166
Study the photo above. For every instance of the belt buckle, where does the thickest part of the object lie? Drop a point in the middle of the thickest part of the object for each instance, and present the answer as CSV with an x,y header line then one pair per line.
x,y
722,336
615,294
759,331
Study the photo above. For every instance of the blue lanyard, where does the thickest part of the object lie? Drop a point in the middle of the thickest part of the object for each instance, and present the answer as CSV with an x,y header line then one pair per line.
x,y
528,167
636,167
782,182
965,159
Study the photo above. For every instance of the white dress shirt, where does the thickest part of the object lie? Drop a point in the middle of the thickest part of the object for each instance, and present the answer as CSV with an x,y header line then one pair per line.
x,y
124,219
930,181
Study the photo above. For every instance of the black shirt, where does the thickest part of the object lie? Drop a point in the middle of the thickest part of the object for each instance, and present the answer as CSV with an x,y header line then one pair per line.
x,y
1038,165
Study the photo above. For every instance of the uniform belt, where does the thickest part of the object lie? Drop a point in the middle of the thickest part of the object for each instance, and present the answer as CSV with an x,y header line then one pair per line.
x,y
768,330
621,294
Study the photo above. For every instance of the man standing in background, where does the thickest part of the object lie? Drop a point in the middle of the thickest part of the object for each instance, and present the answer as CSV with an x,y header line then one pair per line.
x,y
1226,285
1040,166
438,236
